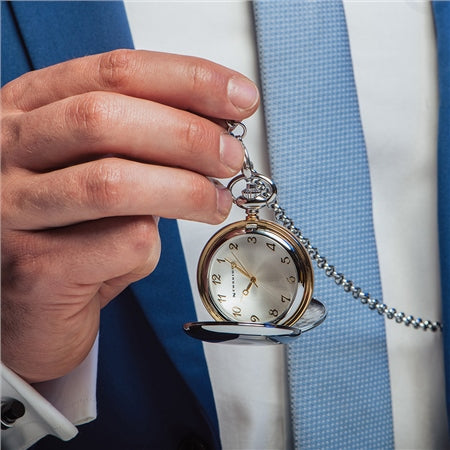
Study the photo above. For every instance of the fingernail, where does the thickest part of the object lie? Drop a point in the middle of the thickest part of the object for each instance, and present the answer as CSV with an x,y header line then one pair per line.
x,y
242,93
224,199
231,152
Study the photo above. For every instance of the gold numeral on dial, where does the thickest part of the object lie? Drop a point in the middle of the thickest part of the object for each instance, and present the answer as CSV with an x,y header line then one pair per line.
x,y
216,279
236,311
222,298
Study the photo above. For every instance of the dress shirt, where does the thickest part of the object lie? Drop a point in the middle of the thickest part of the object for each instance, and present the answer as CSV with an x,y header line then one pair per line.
x,y
394,58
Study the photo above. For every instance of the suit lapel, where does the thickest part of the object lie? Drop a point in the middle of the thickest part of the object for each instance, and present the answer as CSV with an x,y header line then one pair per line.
x,y
53,32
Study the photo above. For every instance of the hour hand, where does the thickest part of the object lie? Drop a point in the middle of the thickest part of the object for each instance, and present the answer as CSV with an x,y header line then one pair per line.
x,y
252,282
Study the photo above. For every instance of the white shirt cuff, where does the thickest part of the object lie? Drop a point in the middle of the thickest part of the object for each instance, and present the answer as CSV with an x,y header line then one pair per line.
x,y
52,407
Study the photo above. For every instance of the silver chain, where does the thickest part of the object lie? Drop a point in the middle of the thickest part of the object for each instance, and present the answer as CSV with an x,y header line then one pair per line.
x,y
348,285
322,263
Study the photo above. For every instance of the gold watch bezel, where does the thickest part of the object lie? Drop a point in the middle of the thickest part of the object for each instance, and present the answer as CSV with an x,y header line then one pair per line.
x,y
301,259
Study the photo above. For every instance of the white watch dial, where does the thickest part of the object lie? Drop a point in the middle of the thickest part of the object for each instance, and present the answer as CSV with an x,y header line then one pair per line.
x,y
253,278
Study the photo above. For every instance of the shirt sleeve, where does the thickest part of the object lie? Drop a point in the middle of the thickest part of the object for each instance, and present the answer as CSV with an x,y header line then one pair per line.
x,y
52,407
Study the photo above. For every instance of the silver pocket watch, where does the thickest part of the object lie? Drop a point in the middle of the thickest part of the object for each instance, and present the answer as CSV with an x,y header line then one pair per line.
x,y
256,279
254,276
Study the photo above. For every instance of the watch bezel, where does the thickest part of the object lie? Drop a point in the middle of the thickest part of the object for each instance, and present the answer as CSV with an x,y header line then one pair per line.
x,y
270,229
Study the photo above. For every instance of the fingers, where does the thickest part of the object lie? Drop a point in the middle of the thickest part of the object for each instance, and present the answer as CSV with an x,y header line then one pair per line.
x,y
118,249
110,187
80,257
86,126
55,283
76,219
183,82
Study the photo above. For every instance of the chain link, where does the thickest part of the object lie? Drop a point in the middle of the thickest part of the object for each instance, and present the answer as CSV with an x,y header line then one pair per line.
x,y
348,285
322,263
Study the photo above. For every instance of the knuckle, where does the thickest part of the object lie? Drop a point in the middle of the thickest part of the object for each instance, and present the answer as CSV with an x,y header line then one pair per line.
x,y
200,73
22,266
199,193
8,93
144,234
206,80
141,241
10,136
19,196
12,92
88,114
146,242
197,138
114,68
103,185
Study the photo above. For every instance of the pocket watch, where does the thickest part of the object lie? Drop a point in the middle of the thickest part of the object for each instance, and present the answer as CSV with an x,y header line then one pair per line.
x,y
255,278
255,271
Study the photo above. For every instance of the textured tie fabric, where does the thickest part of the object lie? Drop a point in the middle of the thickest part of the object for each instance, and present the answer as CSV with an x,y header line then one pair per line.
x,y
339,377
442,21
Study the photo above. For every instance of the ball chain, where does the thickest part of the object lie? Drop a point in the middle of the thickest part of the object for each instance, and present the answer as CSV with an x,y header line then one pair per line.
x,y
329,270
348,285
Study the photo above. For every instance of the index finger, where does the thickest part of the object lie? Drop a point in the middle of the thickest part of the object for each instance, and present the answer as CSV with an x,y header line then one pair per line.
x,y
183,82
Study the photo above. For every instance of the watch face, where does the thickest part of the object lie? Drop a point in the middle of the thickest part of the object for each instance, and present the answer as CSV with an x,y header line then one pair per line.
x,y
254,273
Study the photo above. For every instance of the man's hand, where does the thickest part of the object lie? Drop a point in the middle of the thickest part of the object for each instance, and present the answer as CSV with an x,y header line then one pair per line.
x,y
93,151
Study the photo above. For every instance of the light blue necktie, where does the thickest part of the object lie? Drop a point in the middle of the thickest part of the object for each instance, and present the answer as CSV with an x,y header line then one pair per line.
x,y
339,374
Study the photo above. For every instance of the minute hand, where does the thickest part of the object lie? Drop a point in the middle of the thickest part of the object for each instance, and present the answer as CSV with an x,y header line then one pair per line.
x,y
243,270
234,265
